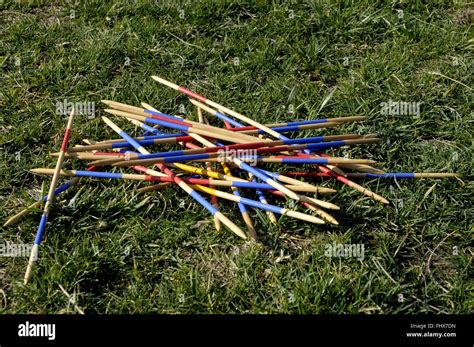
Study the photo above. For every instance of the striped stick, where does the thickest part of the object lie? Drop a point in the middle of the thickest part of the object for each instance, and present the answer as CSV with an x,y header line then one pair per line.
x,y
288,180
145,137
321,120
323,168
217,106
312,206
298,125
155,176
172,138
194,169
263,200
146,127
16,218
322,213
49,201
355,167
214,201
209,173
242,208
213,157
282,178
405,175
173,122
162,139
312,201
257,204
151,116
183,185
252,130
292,181
140,159
233,122
178,135
289,193
393,175
265,206
269,159
217,223
187,127
186,144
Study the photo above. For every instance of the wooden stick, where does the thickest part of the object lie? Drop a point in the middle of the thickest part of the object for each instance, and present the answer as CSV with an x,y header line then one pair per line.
x,y
183,185
268,131
139,159
151,116
159,177
16,218
214,201
230,121
217,106
275,209
154,187
49,201
281,178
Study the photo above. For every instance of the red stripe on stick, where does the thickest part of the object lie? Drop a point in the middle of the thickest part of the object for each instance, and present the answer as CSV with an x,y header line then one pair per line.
x,y
192,94
67,135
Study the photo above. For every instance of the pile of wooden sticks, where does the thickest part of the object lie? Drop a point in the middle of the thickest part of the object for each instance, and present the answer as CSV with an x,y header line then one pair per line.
x,y
218,157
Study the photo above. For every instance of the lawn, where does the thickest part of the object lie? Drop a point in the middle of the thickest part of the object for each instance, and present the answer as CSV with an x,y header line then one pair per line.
x,y
115,251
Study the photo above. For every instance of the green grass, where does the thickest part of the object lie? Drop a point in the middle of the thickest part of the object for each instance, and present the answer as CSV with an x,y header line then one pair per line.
x,y
119,256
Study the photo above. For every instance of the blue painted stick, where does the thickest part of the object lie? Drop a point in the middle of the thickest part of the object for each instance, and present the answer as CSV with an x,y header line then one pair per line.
x,y
234,228
49,201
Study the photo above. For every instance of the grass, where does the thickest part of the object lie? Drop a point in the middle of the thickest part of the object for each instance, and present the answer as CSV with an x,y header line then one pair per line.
x,y
119,254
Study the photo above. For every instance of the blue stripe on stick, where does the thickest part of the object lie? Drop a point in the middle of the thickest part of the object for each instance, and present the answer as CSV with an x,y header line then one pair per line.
x,y
98,174
167,124
129,139
150,129
242,208
260,194
58,190
324,145
228,119
303,122
313,139
267,207
204,202
164,115
252,185
254,171
161,154
41,228
320,161
239,204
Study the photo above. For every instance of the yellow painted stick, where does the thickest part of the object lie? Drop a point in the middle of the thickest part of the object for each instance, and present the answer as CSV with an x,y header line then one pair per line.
x,y
214,201
183,185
